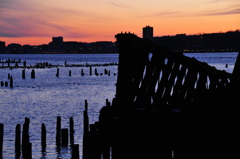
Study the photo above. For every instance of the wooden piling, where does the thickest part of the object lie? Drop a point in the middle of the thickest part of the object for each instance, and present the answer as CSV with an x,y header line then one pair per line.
x,y
86,120
57,74
64,137
24,63
75,151
105,71
43,137
86,144
33,73
1,138
23,74
96,72
11,82
58,131
71,128
82,73
70,73
90,70
25,137
18,141
28,151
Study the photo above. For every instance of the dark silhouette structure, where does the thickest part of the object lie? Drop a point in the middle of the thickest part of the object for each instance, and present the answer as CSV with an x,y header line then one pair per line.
x,y
147,32
166,106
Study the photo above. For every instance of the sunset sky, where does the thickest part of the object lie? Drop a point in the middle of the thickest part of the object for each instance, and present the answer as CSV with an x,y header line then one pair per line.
x,y
35,22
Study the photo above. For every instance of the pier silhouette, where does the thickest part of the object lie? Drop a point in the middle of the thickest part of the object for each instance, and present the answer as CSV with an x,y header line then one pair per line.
x,y
166,106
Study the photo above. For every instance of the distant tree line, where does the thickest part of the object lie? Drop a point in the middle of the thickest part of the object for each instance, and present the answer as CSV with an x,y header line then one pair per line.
x,y
213,42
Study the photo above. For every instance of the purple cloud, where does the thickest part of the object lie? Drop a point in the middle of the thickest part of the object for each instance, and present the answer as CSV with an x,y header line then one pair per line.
x,y
228,12
28,19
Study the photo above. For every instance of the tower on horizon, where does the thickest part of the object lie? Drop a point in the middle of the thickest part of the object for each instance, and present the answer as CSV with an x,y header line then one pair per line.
x,y
147,32
57,40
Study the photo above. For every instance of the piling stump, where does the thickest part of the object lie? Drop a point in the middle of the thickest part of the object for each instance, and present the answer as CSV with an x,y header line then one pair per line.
x,y
18,141
75,151
25,137
71,126
11,82
57,74
23,74
1,138
43,136
64,137
58,131
33,73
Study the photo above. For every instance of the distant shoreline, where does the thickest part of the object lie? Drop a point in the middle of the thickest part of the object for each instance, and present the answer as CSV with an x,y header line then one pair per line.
x,y
107,53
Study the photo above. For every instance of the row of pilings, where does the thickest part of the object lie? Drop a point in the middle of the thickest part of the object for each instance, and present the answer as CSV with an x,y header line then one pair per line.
x,y
92,71
49,65
23,145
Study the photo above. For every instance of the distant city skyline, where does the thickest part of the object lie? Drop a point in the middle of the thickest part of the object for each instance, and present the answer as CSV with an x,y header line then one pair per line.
x,y
35,22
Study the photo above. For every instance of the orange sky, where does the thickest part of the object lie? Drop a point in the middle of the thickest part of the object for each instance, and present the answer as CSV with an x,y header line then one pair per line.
x,y
35,22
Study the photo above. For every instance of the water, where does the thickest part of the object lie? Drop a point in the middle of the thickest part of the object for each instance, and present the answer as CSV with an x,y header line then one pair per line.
x,y
44,98
218,60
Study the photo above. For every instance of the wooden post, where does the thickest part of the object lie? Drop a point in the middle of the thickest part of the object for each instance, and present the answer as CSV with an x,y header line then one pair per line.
x,y
82,73
11,82
64,137
90,70
70,73
33,73
25,137
96,72
43,136
29,151
18,141
1,138
24,63
57,74
105,71
71,131
86,146
75,151
23,74
86,120
58,131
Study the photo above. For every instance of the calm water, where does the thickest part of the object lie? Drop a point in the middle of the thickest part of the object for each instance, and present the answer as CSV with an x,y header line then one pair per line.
x,y
44,98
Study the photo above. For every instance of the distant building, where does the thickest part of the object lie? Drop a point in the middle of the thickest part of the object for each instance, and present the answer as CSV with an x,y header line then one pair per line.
x,y
57,40
148,32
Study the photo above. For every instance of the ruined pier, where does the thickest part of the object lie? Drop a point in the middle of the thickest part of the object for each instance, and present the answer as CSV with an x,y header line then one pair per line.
x,y
166,106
